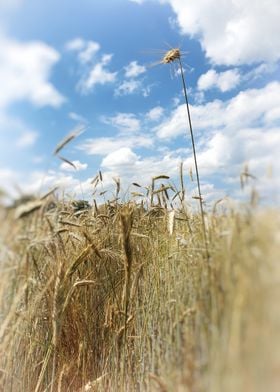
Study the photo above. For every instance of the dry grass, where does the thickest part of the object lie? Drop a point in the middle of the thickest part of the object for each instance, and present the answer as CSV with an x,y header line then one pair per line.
x,y
120,298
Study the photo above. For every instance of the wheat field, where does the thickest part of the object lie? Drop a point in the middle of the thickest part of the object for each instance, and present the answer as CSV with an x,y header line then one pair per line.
x,y
122,297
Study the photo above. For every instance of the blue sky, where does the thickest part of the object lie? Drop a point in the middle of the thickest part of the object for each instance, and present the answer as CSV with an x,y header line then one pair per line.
x,y
93,64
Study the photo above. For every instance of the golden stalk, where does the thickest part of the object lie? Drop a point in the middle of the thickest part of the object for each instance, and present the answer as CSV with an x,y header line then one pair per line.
x,y
171,56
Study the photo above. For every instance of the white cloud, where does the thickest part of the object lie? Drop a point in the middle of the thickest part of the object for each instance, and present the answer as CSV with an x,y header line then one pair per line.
x,y
260,71
25,69
225,153
129,167
78,166
198,97
133,69
93,68
35,182
232,78
247,108
174,126
128,87
125,122
98,75
224,81
87,55
155,113
242,129
123,156
123,163
232,32
76,44
39,182
27,139
106,145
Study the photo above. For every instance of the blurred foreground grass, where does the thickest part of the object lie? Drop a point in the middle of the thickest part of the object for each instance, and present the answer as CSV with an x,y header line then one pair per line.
x,y
122,298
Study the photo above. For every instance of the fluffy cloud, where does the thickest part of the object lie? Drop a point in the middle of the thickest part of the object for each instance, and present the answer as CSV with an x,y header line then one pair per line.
x,y
224,81
155,113
25,69
39,181
122,157
223,155
86,49
130,86
260,71
232,32
243,129
248,108
94,70
125,122
106,145
130,167
76,44
87,54
133,69
35,182
98,75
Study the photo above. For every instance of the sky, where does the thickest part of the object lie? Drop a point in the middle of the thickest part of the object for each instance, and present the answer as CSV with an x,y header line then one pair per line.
x,y
96,66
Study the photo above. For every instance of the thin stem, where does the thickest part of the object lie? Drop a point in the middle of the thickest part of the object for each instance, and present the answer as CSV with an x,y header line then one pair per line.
x,y
195,161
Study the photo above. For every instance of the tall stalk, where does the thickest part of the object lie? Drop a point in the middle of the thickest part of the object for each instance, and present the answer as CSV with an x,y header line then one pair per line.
x,y
195,159
171,56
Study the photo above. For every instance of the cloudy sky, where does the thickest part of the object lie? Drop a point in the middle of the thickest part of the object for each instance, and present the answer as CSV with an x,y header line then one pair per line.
x,y
96,64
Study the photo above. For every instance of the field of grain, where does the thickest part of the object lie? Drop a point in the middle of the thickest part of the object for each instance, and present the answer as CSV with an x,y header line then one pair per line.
x,y
124,297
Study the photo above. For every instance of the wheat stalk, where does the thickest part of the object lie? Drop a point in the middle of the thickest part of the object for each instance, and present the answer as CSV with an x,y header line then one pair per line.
x,y
126,220
169,57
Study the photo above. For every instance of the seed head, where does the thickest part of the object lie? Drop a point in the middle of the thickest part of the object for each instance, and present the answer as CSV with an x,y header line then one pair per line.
x,y
171,55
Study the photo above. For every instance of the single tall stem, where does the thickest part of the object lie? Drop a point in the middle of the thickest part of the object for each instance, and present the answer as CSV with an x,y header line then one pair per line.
x,y
195,161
